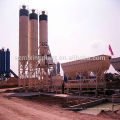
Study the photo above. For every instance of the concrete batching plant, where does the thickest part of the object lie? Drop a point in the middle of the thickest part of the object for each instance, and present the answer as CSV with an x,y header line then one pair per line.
x,y
36,67
35,61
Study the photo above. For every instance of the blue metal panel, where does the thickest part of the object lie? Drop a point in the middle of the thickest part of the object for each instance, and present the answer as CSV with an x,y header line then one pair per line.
x,y
23,12
77,77
7,61
2,61
107,75
58,68
65,78
33,16
43,17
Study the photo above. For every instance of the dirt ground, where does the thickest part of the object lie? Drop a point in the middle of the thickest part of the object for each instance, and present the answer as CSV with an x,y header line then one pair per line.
x,y
39,109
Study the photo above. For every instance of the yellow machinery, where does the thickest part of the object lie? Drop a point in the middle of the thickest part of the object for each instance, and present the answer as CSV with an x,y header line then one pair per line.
x,y
97,65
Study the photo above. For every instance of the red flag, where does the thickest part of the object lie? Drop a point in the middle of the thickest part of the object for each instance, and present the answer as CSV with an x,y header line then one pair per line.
x,y
110,49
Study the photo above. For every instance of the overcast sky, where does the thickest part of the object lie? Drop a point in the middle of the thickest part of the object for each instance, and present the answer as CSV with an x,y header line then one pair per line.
x,y
76,27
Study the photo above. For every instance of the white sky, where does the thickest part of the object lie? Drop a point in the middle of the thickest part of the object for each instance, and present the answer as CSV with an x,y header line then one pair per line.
x,y
76,27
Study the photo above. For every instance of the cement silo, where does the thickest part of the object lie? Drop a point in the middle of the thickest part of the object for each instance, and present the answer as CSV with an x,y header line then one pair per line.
x,y
43,33
23,38
2,61
33,39
7,66
43,45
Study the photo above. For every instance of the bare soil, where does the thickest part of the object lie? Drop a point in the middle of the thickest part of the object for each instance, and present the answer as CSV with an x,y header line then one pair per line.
x,y
41,108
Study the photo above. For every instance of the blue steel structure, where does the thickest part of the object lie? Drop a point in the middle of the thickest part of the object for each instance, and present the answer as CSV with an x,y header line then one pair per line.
x,y
77,77
65,78
23,11
58,68
2,61
5,71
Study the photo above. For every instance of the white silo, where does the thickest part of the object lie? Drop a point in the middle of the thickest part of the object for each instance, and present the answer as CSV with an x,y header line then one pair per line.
x,y
33,39
23,38
43,33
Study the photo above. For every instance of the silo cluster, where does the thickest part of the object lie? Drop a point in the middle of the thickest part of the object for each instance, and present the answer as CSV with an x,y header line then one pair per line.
x,y
36,66
4,63
29,45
